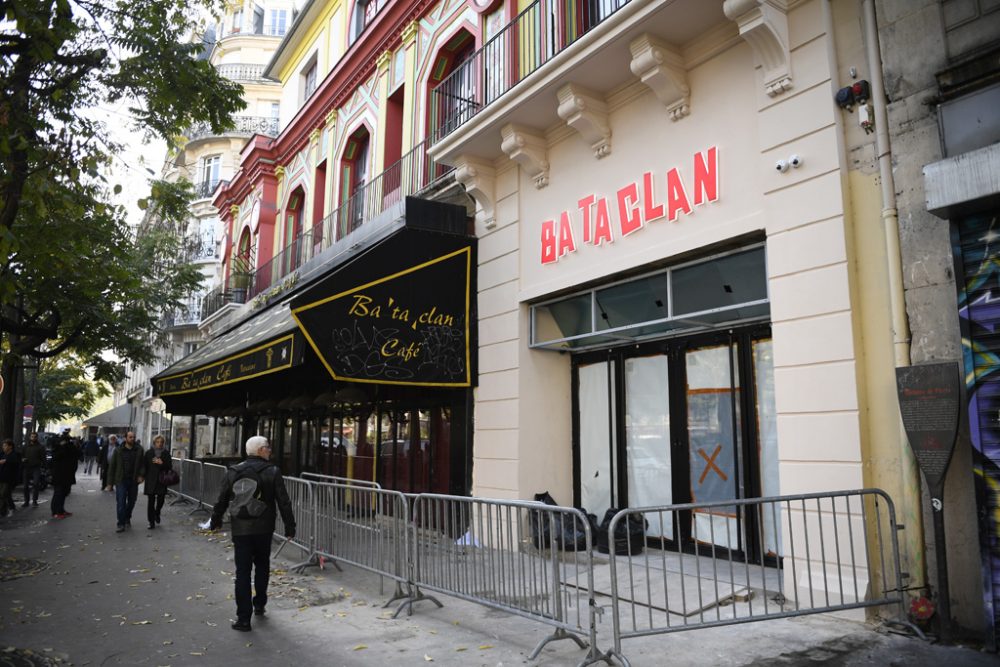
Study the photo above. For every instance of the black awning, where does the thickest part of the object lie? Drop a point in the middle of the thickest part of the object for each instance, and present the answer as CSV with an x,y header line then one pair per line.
x,y
268,343
403,312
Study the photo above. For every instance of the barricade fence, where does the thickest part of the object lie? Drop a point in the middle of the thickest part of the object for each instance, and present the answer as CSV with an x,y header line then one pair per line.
x,y
753,560
670,568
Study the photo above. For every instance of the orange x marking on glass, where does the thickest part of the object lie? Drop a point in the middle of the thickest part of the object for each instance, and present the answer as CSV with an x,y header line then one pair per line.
x,y
711,465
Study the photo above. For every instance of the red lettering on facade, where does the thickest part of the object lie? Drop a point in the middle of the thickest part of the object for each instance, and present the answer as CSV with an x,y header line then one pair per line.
x,y
602,226
650,211
566,243
706,176
677,199
585,205
628,209
548,242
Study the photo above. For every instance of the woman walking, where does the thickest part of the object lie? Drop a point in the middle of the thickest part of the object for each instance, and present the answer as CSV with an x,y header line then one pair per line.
x,y
155,461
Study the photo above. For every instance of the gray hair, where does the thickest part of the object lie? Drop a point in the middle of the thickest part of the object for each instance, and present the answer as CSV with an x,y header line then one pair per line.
x,y
255,443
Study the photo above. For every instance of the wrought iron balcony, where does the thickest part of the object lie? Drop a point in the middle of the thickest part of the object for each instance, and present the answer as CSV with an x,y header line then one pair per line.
x,y
206,189
241,71
414,172
187,315
234,291
244,126
521,47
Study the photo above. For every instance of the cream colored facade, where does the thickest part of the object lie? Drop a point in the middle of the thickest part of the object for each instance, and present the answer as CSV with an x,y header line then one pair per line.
x,y
646,91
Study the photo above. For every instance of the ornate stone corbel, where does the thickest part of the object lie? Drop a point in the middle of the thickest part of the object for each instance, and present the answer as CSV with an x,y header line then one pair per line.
x,y
383,60
478,178
661,68
526,147
279,171
314,135
234,211
586,113
409,33
764,26
331,118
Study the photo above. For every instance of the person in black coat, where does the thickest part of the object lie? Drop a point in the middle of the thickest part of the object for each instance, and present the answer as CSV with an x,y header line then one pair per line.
x,y
65,458
155,460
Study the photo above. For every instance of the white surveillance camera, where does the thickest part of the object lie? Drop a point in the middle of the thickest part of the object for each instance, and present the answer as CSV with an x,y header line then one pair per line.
x,y
795,161
781,166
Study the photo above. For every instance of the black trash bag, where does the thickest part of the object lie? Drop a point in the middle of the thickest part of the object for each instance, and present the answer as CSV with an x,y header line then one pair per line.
x,y
630,534
574,533
542,526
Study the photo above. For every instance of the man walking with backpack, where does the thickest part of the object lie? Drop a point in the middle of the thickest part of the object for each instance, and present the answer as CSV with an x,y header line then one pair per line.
x,y
250,491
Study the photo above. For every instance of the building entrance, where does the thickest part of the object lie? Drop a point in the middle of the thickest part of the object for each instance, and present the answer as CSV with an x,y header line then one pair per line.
x,y
691,419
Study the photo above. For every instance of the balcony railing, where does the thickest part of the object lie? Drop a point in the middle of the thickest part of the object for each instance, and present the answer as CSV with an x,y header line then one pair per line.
x,y
244,126
241,72
411,174
189,315
266,30
534,37
206,189
235,291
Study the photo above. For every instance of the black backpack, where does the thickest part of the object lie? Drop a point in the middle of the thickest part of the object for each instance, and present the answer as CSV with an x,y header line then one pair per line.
x,y
249,500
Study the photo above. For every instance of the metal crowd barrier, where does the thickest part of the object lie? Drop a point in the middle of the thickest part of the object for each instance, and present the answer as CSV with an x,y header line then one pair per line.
x,y
365,527
190,487
505,555
757,559
212,475
317,477
300,492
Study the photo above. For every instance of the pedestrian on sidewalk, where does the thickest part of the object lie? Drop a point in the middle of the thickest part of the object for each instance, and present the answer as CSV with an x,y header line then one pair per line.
x,y
104,461
32,459
125,474
155,461
10,463
65,458
90,452
253,487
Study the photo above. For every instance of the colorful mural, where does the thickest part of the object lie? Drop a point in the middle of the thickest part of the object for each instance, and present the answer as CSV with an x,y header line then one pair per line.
x,y
978,257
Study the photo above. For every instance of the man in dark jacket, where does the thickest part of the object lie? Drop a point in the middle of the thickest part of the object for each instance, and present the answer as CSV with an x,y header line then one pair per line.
x,y
32,460
65,457
256,481
104,460
125,472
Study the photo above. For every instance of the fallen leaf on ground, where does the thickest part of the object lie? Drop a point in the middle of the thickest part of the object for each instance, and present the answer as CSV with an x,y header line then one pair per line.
x,y
485,646
360,647
427,658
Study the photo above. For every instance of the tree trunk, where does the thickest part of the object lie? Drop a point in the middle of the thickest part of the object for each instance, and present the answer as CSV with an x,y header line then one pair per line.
x,y
9,371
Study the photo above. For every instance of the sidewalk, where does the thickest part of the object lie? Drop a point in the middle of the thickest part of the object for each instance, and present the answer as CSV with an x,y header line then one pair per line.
x,y
75,592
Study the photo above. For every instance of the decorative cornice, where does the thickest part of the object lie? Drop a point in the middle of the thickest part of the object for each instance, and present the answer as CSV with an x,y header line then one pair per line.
x,y
479,180
527,147
764,26
661,68
409,33
383,60
587,113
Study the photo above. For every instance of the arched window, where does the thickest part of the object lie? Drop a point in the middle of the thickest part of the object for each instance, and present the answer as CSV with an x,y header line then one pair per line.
x,y
354,166
456,100
242,266
292,254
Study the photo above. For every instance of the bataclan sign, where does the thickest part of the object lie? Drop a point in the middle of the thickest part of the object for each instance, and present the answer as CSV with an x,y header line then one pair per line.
x,y
596,220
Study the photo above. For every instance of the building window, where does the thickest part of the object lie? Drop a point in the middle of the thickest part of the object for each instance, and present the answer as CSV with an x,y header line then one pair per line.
x,y
258,19
275,109
309,79
210,167
279,22
238,20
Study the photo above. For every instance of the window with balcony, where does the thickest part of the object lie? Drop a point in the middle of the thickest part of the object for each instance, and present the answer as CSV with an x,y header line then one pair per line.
x,y
309,76
278,23
454,81
354,174
211,166
237,20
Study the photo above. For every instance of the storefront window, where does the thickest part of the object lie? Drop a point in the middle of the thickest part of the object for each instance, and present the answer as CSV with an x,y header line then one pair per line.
x,y
598,450
180,440
203,437
226,443
647,432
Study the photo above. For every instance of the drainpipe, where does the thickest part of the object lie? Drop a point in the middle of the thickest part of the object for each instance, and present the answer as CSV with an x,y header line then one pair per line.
x,y
890,217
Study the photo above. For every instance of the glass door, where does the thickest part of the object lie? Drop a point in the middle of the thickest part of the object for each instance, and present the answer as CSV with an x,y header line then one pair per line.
x,y
713,438
598,451
647,436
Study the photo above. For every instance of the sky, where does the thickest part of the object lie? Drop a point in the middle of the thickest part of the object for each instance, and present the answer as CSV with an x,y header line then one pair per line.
x,y
128,168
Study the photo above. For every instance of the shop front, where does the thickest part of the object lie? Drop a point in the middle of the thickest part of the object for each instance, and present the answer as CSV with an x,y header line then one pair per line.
x,y
364,373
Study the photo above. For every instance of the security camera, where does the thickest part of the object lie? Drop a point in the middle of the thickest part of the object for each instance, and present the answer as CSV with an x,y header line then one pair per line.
x,y
795,161
781,166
